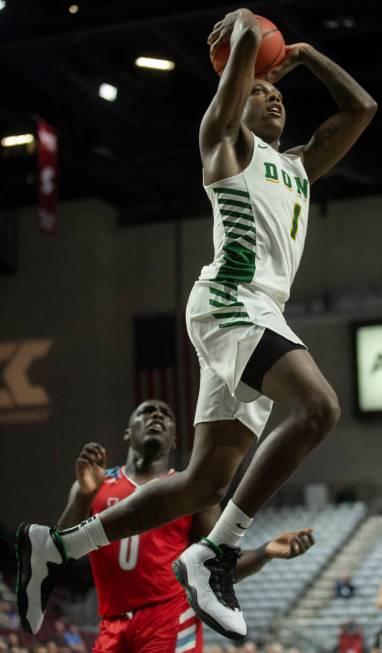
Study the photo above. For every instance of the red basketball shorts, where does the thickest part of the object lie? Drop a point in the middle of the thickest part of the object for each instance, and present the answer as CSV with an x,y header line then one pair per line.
x,y
170,627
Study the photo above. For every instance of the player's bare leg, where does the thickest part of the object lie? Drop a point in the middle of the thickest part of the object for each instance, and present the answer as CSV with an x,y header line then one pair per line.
x,y
42,552
218,450
296,383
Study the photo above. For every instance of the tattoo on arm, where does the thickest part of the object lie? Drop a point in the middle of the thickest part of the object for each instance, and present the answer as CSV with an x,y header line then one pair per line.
x,y
323,136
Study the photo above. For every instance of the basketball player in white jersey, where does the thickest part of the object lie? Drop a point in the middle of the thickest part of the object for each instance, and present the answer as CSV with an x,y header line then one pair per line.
x,y
249,356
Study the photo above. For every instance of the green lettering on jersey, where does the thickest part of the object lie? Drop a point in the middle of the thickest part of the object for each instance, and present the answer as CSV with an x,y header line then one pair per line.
x,y
286,179
271,171
302,186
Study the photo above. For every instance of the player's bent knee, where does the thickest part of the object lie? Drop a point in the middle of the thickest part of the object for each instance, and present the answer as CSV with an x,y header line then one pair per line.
x,y
321,417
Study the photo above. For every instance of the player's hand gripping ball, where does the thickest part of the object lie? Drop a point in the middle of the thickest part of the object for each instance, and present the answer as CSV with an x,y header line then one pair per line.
x,y
271,53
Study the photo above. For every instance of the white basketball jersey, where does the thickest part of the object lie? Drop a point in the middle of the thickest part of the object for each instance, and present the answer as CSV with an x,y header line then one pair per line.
x,y
260,223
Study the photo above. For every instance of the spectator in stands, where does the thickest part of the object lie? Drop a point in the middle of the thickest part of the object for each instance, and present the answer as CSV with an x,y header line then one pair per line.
x,y
377,645
248,647
40,648
60,630
74,640
51,646
344,589
8,616
378,603
274,647
350,638
19,649
3,645
13,640
230,648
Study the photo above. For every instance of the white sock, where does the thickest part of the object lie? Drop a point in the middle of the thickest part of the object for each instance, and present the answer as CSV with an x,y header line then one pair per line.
x,y
227,529
86,537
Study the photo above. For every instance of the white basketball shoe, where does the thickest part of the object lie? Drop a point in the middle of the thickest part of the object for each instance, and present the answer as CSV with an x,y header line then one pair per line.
x,y
206,572
41,559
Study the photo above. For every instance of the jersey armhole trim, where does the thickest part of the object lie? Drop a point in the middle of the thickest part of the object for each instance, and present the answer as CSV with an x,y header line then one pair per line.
x,y
238,174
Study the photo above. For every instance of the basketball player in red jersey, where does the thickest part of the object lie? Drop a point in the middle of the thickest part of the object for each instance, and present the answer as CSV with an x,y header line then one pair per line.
x,y
143,607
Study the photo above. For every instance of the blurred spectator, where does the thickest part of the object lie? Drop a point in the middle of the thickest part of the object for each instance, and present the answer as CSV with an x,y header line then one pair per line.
x,y
344,589
8,615
13,640
274,647
213,648
377,644
248,647
74,640
40,648
230,648
378,602
350,638
59,633
3,645
4,589
51,646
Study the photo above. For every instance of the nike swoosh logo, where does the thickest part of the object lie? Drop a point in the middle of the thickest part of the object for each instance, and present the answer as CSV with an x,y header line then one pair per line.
x,y
240,526
263,147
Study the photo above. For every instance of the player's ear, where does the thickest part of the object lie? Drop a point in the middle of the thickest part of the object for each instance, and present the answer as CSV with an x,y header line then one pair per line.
x,y
127,436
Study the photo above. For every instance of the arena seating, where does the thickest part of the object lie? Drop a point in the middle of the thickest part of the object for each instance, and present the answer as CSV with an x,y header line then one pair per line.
x,y
273,591
361,607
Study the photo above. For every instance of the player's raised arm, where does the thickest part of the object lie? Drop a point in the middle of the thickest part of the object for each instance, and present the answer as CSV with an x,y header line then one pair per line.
x,y
90,473
224,113
334,137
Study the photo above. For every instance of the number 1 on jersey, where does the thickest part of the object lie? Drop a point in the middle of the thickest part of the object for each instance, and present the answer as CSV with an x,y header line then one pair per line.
x,y
296,215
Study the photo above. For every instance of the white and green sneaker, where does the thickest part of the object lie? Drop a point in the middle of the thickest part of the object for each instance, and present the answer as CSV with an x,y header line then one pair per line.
x,y
206,572
41,559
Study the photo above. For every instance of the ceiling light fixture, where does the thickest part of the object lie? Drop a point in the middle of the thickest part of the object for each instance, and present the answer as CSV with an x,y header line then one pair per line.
x,y
331,23
3,4
348,22
157,64
108,92
20,139
73,9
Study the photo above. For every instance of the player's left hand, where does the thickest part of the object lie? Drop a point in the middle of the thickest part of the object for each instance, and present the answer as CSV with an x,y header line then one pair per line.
x,y
222,31
293,57
290,545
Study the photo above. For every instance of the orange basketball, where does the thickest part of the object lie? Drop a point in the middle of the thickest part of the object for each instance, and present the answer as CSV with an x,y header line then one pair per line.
x,y
271,53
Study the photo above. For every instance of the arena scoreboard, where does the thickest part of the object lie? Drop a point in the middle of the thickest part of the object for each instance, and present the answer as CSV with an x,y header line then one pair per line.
x,y
367,350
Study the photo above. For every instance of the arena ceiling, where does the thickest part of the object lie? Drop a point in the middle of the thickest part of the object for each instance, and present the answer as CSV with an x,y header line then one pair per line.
x,y
140,152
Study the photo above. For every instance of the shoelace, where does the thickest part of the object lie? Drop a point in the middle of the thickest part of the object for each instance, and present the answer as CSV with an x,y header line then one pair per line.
x,y
222,578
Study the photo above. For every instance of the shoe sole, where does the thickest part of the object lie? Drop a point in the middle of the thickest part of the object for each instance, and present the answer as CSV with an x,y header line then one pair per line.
x,y
180,571
24,573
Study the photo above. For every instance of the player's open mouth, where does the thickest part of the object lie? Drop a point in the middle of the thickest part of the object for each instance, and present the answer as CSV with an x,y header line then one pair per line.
x,y
155,426
274,111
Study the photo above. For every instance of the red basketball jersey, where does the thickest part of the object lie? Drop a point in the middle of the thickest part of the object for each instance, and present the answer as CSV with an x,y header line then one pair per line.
x,y
136,571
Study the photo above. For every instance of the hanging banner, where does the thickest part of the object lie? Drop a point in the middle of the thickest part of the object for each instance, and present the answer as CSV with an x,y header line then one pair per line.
x,y
47,178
